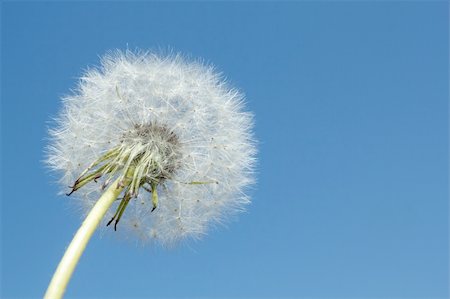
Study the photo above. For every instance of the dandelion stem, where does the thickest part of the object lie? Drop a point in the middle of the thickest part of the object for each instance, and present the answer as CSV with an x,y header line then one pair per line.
x,y
73,253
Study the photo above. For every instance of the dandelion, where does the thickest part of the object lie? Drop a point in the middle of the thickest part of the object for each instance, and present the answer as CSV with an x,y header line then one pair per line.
x,y
157,145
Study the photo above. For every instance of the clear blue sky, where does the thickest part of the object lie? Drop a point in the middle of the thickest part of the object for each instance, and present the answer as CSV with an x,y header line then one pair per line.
x,y
351,104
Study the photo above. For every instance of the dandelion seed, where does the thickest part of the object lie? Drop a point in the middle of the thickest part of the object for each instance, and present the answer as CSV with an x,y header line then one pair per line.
x,y
166,138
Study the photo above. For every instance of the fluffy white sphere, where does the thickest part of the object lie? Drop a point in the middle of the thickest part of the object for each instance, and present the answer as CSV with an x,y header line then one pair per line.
x,y
139,99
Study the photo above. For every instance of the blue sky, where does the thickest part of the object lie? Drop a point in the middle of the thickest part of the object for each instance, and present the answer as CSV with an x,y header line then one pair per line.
x,y
351,104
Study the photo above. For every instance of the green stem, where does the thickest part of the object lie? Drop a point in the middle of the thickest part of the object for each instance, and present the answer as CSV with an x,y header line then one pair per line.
x,y
73,253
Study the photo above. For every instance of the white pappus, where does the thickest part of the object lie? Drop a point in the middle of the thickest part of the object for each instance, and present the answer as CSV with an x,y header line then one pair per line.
x,y
171,129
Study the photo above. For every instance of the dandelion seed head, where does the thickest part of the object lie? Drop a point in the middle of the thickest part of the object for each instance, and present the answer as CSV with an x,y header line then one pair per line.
x,y
166,121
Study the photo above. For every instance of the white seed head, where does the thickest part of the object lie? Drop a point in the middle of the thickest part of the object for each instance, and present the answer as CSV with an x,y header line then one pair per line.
x,y
171,128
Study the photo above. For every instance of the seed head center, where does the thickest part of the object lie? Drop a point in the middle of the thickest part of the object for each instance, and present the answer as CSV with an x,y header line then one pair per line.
x,y
147,155
154,147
